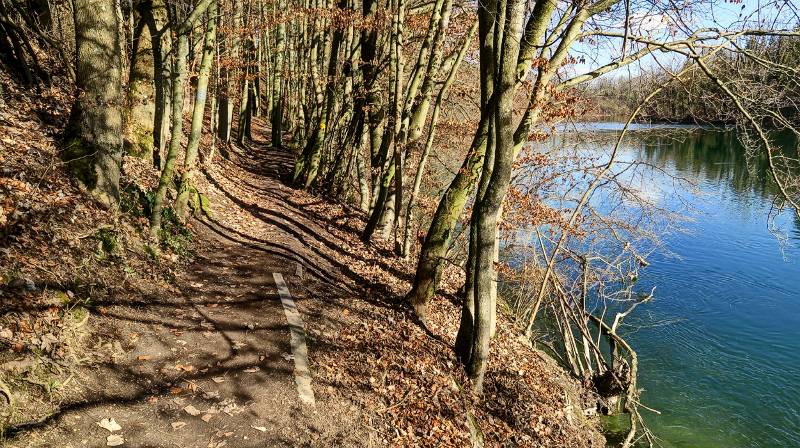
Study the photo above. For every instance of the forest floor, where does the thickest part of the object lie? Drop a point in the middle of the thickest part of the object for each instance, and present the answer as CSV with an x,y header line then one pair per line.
x,y
193,349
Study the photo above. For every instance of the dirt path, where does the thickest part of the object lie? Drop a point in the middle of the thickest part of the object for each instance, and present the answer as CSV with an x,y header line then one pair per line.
x,y
209,363
164,341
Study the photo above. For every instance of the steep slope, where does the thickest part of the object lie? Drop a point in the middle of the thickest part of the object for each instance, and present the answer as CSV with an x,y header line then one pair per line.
x,y
203,330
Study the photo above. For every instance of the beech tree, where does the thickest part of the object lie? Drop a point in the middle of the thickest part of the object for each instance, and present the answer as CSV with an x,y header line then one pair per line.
x,y
93,138
178,77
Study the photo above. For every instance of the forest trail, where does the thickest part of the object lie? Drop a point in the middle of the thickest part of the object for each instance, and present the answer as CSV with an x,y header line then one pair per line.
x,y
211,365
148,342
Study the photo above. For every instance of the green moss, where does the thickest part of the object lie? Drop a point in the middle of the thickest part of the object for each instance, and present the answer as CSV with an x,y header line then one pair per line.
x,y
139,143
202,204
108,240
174,235
205,205
151,252
79,315
78,153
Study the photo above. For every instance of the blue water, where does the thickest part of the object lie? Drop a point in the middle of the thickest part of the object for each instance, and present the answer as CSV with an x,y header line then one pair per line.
x,y
719,345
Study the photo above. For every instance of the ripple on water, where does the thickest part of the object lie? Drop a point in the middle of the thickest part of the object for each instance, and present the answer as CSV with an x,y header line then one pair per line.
x,y
725,370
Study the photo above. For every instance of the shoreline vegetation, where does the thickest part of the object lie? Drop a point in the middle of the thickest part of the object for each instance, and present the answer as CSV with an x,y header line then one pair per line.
x,y
697,98
164,163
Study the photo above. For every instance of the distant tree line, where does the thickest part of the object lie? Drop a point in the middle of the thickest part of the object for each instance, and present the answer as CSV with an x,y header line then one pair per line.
x,y
760,64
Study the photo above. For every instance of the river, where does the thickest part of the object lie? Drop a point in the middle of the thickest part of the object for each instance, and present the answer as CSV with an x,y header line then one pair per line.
x,y
719,345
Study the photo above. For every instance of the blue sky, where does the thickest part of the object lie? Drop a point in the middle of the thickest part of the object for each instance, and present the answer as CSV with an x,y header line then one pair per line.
x,y
668,20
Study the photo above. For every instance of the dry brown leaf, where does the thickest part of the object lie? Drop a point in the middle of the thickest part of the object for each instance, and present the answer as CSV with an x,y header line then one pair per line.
x,y
109,424
191,410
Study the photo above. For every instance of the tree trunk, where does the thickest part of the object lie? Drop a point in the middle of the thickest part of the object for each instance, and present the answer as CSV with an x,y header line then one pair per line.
x,y
486,212
228,78
431,134
277,79
178,77
162,51
140,116
438,239
93,138
190,162
179,74
246,103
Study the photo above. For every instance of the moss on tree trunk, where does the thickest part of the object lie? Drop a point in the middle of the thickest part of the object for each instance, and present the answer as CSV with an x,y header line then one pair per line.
x,y
93,138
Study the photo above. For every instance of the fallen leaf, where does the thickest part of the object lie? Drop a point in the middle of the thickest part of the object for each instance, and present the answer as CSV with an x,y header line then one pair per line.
x,y
114,440
184,368
206,417
259,428
143,357
110,424
218,379
251,370
191,410
178,425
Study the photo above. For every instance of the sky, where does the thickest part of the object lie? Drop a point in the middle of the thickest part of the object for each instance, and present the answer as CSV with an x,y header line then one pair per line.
x,y
658,19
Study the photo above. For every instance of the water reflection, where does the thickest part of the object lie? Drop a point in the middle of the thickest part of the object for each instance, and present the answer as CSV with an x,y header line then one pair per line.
x,y
725,372
710,155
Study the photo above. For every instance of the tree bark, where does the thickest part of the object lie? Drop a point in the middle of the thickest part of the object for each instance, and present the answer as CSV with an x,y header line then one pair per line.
x,y
277,79
431,134
178,77
162,52
140,117
93,138
190,162
486,212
